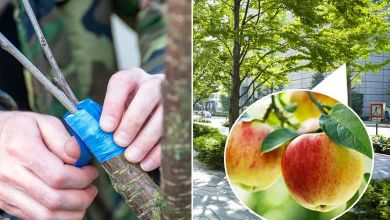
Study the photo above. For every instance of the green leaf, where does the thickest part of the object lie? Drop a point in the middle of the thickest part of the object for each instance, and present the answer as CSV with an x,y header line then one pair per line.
x,y
276,138
344,128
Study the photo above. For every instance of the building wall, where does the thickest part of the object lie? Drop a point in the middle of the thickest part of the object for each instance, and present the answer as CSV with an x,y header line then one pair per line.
x,y
373,86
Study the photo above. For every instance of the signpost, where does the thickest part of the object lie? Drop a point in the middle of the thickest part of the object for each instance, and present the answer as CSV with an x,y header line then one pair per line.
x,y
377,113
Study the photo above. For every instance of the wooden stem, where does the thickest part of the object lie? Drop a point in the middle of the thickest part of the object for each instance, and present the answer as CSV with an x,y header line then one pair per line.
x,y
135,186
57,75
10,48
176,152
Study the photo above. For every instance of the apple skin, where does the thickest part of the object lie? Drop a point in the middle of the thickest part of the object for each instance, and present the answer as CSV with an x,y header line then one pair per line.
x,y
321,175
245,165
306,108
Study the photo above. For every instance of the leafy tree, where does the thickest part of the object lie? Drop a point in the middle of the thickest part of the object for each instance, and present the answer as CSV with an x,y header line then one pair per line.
x,y
317,78
258,43
357,102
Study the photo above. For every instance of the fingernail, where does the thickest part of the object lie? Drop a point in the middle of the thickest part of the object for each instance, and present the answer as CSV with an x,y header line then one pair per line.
x,y
147,165
133,154
108,123
121,138
72,149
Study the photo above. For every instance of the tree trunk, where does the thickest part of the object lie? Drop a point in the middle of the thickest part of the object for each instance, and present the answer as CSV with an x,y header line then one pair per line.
x,y
236,83
176,149
349,86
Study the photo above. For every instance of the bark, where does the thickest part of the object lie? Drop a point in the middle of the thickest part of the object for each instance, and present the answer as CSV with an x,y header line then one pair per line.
x,y
136,187
349,86
236,82
176,148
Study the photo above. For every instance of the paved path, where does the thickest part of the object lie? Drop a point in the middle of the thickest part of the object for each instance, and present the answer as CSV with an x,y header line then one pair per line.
x,y
213,198
381,166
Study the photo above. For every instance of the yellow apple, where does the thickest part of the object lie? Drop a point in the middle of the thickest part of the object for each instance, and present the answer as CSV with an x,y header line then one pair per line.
x,y
246,166
305,107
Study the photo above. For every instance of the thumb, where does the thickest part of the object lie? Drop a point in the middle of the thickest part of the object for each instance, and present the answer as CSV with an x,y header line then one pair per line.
x,y
57,139
72,149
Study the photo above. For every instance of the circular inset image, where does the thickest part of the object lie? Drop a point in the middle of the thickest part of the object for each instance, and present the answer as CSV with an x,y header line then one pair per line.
x,y
300,154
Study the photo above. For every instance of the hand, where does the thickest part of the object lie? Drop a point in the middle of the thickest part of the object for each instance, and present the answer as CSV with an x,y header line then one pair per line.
x,y
132,110
36,181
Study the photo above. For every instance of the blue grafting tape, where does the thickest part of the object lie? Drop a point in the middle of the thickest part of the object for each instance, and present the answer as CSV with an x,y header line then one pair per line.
x,y
84,124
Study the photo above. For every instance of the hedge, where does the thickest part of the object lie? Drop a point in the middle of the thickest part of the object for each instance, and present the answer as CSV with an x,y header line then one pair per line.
x,y
210,145
374,204
381,144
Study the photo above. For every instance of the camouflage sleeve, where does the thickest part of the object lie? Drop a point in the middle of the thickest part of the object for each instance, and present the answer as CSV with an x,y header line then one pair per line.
x,y
6,102
150,24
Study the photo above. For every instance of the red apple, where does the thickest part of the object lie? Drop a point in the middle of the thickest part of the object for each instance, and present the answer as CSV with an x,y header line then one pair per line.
x,y
246,166
321,175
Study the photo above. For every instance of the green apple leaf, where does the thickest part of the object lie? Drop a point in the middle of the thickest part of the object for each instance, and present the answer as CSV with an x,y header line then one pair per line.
x,y
276,138
345,128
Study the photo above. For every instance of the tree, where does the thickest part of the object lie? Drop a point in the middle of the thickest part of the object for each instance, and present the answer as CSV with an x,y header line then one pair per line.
x,y
317,78
176,167
259,42
332,32
240,46
357,102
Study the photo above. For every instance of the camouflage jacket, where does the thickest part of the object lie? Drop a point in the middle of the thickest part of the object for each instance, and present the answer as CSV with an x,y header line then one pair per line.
x,y
79,34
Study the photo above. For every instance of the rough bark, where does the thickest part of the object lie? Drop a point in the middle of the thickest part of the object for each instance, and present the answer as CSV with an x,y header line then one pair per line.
x,y
135,186
236,82
176,149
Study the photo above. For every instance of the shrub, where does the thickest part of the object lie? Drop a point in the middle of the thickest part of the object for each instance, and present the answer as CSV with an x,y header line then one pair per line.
x,y
202,120
210,145
381,144
375,203
200,130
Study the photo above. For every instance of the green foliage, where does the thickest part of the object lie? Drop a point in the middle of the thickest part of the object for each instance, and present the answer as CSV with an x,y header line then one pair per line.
x,y
375,203
277,138
357,102
202,120
381,144
344,128
317,78
278,37
224,102
210,145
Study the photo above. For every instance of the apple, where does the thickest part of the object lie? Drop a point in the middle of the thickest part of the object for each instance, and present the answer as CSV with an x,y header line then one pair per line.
x,y
305,107
246,166
319,174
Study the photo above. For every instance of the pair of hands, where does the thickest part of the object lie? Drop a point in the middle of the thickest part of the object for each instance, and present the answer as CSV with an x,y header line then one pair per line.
x,y
37,176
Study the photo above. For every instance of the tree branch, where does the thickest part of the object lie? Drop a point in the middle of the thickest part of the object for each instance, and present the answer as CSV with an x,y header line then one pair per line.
x,y
57,75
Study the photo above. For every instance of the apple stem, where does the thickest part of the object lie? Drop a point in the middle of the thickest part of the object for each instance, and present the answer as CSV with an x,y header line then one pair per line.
x,y
317,103
274,108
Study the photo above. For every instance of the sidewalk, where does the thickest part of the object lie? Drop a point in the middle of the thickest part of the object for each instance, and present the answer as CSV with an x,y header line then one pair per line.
x,y
213,198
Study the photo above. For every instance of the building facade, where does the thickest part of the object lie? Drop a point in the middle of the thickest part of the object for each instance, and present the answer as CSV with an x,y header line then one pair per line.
x,y
373,86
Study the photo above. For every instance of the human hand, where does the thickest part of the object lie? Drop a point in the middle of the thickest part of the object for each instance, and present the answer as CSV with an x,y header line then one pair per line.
x,y
36,180
132,110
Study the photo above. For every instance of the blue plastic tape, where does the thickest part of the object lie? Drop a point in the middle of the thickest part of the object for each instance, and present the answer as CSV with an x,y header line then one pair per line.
x,y
84,125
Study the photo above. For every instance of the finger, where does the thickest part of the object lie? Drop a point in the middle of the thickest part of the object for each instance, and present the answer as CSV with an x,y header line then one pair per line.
x,y
152,160
14,211
144,102
32,208
120,86
55,136
72,148
146,139
54,199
